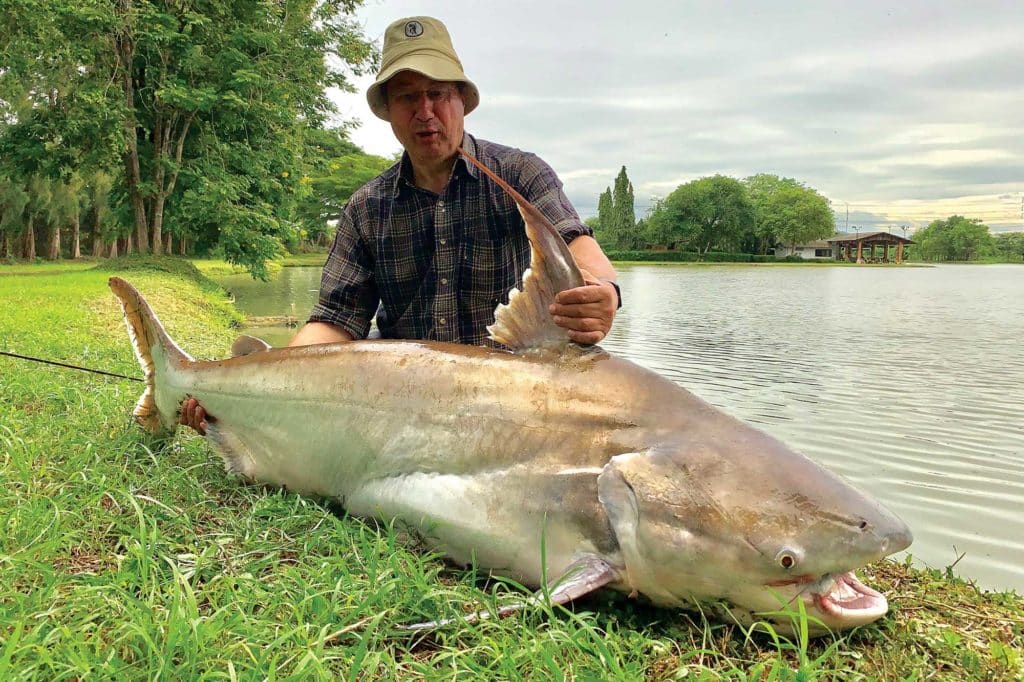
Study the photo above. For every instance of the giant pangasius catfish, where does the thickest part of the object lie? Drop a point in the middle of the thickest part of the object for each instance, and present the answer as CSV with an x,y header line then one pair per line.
x,y
625,479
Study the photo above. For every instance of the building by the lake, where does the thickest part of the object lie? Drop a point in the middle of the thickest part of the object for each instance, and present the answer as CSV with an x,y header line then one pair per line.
x,y
859,247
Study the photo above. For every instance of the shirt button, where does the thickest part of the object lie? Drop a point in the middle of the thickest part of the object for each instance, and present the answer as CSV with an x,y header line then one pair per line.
x,y
443,321
442,242
444,280
440,206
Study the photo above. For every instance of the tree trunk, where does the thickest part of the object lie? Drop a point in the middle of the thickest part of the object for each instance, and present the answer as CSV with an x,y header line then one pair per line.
x,y
165,183
158,217
53,247
128,246
167,243
125,50
97,238
76,236
30,239
113,248
7,244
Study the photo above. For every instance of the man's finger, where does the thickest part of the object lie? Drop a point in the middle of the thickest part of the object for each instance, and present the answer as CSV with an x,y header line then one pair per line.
x,y
586,338
591,293
581,324
578,310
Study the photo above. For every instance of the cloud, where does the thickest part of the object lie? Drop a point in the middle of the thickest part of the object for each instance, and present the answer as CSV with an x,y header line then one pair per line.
x,y
870,102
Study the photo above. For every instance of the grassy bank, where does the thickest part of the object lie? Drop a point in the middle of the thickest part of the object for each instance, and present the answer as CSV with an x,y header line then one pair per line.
x,y
212,267
122,557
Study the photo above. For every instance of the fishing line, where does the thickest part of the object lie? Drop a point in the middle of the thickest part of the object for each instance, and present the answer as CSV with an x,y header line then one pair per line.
x,y
62,364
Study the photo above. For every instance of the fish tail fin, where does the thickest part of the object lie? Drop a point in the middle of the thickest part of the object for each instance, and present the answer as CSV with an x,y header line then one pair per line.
x,y
158,354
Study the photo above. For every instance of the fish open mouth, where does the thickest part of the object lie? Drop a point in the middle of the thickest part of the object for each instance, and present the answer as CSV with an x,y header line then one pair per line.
x,y
847,599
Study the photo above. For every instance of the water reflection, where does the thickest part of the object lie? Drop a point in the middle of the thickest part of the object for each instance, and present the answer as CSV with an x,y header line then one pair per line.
x,y
908,381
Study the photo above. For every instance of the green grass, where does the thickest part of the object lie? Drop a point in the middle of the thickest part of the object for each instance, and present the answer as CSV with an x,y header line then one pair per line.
x,y
212,267
315,258
123,557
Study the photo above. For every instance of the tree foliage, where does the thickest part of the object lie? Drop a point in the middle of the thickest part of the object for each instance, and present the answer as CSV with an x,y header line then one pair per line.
x,y
199,111
1009,246
623,212
954,239
604,210
616,214
334,169
705,213
787,212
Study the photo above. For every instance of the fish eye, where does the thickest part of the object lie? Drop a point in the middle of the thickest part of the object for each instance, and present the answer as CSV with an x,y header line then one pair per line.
x,y
787,558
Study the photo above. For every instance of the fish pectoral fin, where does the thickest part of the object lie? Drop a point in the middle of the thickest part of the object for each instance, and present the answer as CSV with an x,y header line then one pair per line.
x,y
246,345
586,574
583,576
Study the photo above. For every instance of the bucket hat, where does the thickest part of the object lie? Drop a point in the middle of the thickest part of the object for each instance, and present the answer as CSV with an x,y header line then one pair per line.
x,y
419,44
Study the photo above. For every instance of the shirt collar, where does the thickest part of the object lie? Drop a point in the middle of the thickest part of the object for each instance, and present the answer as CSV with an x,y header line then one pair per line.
x,y
404,176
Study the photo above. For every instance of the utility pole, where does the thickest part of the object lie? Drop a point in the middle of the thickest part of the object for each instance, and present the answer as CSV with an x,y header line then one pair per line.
x,y
848,214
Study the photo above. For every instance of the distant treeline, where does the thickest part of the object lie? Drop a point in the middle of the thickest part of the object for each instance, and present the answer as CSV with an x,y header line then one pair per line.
x,y
664,256
715,214
964,239
718,218
154,127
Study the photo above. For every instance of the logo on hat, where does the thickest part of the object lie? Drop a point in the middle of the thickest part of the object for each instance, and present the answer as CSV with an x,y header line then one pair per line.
x,y
413,29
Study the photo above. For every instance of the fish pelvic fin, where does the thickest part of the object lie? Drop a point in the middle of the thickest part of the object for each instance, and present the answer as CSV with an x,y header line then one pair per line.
x,y
247,345
525,324
157,354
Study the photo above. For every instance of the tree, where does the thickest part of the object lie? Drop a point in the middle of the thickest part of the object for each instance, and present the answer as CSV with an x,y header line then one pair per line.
x,y
955,238
787,211
623,213
657,227
1009,246
13,202
97,209
705,213
203,92
334,169
39,195
604,213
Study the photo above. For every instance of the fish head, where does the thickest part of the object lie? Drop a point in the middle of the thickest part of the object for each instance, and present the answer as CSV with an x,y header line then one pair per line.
x,y
737,521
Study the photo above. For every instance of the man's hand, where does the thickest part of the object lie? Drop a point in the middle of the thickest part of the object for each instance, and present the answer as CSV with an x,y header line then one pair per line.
x,y
193,414
587,311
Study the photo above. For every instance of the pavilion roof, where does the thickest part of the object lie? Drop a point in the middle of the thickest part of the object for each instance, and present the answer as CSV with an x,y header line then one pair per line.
x,y
877,237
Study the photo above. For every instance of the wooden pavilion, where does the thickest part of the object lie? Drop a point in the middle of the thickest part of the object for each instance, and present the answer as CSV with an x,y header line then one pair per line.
x,y
844,245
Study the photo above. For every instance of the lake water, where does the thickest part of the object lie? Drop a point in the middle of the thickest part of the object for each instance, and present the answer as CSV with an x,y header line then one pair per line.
x,y
907,381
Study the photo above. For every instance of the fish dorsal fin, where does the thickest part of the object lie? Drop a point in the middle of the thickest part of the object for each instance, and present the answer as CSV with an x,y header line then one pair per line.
x,y
525,323
245,345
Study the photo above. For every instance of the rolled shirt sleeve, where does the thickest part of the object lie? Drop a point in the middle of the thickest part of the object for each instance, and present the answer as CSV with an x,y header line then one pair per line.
x,y
541,186
348,291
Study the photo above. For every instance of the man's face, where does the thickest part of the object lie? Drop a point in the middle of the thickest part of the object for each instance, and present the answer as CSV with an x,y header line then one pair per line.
x,y
426,116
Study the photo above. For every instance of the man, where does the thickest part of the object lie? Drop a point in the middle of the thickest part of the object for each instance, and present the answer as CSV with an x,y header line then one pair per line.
x,y
431,246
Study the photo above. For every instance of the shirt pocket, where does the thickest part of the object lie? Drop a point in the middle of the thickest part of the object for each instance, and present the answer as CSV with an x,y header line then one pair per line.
x,y
492,259
404,259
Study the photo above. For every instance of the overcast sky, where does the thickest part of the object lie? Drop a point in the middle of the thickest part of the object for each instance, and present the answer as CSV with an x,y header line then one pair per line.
x,y
902,111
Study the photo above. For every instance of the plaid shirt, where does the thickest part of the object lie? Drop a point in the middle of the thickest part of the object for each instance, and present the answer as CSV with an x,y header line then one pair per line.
x,y
431,266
